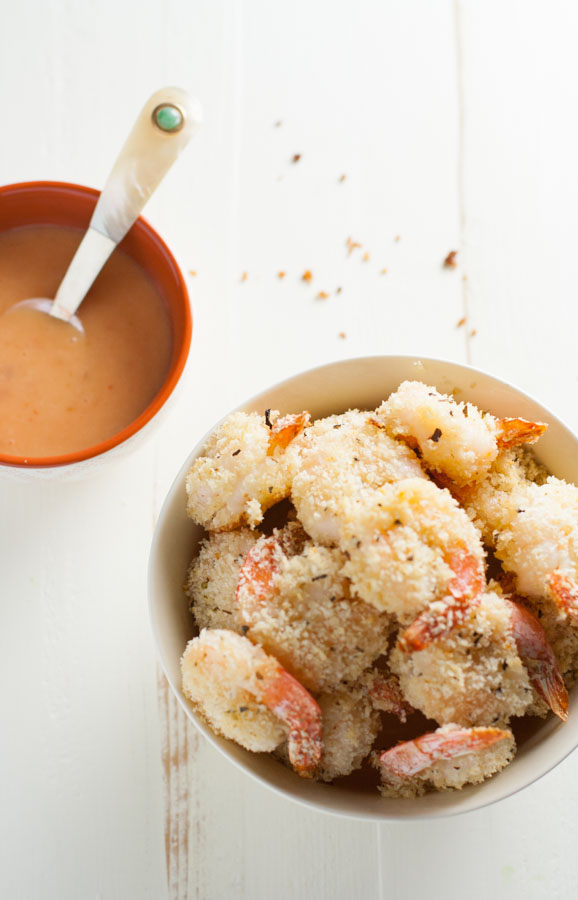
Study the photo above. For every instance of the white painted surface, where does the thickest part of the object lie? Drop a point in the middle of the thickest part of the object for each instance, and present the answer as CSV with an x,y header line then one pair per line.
x,y
455,125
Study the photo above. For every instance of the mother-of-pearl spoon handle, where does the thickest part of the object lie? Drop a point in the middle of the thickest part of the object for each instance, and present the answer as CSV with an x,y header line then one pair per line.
x,y
164,127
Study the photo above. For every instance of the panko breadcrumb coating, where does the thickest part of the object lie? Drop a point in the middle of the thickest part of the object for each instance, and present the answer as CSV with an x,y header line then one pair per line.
x,y
378,547
398,540
446,759
213,575
236,479
455,439
542,537
337,458
211,681
300,609
493,502
237,686
350,726
472,676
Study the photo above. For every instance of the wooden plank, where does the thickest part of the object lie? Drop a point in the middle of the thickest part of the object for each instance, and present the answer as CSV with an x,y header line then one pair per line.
x,y
272,215
519,84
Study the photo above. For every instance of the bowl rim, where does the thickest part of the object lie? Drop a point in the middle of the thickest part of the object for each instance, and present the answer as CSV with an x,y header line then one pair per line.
x,y
280,790
182,341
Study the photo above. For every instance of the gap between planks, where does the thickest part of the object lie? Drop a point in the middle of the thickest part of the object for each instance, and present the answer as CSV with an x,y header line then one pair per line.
x,y
179,743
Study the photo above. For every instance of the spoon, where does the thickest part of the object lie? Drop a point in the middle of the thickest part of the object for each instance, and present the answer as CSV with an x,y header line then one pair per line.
x,y
164,127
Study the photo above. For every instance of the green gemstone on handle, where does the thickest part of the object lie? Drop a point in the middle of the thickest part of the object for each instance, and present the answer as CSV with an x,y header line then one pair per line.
x,y
168,118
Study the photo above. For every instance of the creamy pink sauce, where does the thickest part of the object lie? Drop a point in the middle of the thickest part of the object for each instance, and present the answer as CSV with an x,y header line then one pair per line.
x,y
61,391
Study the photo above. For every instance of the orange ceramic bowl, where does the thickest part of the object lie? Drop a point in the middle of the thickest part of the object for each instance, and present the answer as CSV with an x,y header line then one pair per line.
x,y
58,203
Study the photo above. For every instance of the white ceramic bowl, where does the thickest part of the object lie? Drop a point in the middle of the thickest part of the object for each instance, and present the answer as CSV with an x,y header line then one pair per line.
x,y
329,389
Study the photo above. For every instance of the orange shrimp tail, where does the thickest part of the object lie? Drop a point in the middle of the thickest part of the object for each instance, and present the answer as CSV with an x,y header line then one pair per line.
x,y
386,695
412,757
512,432
539,660
295,706
285,430
552,689
257,575
442,616
564,591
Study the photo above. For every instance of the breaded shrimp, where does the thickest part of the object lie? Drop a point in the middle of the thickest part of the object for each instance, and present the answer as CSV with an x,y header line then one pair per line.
x,y
454,439
483,672
350,726
540,543
531,521
444,759
337,458
296,603
539,659
385,693
247,696
493,502
213,575
410,544
242,471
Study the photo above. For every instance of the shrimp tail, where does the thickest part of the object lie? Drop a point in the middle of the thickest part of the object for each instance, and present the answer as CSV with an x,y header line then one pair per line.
x,y
386,695
512,432
257,575
411,757
295,706
442,616
286,429
564,591
539,659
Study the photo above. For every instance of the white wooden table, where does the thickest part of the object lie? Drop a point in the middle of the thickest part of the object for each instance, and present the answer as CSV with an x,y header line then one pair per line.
x,y
455,126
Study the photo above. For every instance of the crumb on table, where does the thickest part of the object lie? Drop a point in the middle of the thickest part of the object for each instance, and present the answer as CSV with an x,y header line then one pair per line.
x,y
461,322
351,245
244,276
451,260
307,276
296,157
365,257
342,335
281,274
322,295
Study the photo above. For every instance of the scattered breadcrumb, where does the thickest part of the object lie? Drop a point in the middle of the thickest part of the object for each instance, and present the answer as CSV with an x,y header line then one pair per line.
x,y
397,238
473,332
342,178
281,274
244,276
307,276
322,295
342,335
461,322
338,290
383,272
278,124
296,158
192,273
451,260
365,257
351,245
